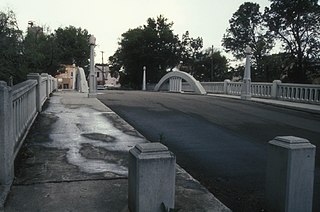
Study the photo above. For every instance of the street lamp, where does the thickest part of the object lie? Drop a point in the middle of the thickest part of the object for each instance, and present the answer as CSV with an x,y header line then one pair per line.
x,y
211,70
92,75
144,78
246,84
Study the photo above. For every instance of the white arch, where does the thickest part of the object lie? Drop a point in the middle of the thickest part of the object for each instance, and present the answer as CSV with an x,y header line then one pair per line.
x,y
196,85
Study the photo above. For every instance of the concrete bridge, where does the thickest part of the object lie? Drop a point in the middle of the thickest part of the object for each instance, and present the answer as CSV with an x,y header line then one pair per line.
x,y
72,154
84,141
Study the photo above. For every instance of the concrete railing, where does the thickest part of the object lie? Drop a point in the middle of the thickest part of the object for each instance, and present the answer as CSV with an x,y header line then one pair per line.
x,y
19,106
276,90
259,89
213,87
233,88
299,93
23,110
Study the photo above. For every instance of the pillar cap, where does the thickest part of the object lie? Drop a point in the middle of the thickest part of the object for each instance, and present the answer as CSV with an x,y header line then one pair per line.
x,y
151,147
291,142
291,139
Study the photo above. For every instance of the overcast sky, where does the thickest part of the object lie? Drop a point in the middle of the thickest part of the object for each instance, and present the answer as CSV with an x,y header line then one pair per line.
x,y
107,19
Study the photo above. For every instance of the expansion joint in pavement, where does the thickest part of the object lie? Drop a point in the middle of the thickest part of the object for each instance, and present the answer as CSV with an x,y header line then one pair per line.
x,y
70,181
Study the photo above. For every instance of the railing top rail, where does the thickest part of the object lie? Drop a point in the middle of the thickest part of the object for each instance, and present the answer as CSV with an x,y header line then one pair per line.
x,y
234,82
22,88
300,85
212,82
261,83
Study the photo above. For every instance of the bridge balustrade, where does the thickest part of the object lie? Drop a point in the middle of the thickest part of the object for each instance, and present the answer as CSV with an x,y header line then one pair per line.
x,y
19,106
260,89
234,88
304,93
213,87
299,93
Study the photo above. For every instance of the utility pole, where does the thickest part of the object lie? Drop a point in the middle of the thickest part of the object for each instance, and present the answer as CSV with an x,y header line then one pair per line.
x,y
211,64
103,80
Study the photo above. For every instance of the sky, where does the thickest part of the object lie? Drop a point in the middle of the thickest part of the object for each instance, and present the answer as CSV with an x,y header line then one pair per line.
x,y
107,19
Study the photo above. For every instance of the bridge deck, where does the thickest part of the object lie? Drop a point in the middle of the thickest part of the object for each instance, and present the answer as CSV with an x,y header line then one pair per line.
x,y
75,159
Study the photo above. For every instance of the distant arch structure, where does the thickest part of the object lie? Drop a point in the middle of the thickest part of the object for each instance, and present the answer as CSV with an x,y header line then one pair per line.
x,y
175,78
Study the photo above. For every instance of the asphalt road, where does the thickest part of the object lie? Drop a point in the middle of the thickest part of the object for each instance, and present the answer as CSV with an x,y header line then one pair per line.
x,y
221,142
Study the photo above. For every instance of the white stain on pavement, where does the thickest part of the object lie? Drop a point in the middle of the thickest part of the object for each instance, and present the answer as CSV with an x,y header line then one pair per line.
x,y
67,133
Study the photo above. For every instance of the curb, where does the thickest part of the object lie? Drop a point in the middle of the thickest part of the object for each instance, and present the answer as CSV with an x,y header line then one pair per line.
x,y
4,192
281,104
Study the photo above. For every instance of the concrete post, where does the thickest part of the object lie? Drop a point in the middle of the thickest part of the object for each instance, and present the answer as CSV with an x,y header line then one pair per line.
x,y
274,89
45,75
36,76
246,84
92,75
225,86
171,86
151,177
290,173
6,136
144,79
50,84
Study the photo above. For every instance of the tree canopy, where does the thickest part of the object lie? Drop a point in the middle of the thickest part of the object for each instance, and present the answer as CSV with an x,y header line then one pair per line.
x,y
248,29
155,46
296,23
39,50
10,47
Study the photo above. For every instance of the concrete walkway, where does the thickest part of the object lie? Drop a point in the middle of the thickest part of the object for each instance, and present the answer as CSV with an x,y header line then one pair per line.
x,y
75,159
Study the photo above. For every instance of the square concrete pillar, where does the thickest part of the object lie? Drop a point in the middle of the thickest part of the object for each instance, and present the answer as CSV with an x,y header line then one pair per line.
x,y
6,136
151,177
36,76
225,86
274,88
290,174
45,75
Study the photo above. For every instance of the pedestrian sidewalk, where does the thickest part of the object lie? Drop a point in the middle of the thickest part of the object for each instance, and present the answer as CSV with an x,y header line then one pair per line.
x,y
75,158
312,108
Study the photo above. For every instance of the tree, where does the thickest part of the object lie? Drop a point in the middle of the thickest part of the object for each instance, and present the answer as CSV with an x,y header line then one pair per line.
x,y
207,61
153,45
296,23
39,51
247,29
10,48
46,52
277,66
191,52
72,45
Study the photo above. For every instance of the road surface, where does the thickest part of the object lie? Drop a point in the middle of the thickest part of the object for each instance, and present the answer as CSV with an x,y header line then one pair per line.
x,y
222,142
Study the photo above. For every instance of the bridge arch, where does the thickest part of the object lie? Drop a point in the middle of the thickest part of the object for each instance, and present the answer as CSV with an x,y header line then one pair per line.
x,y
175,80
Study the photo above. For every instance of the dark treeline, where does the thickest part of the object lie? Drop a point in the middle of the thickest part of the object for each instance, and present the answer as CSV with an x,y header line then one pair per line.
x,y
38,50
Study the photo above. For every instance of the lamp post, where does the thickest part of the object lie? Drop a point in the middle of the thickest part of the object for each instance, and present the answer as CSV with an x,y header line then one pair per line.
x,y
92,75
211,70
144,78
246,84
